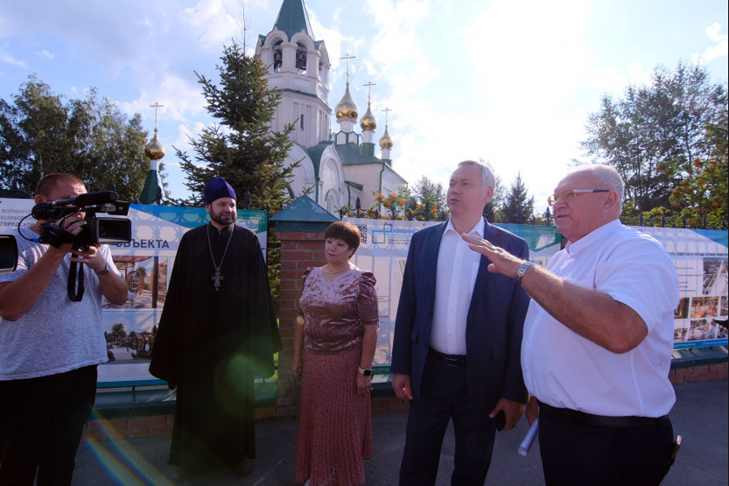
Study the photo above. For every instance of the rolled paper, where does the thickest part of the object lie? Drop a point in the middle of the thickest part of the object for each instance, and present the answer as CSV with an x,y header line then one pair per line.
x,y
528,440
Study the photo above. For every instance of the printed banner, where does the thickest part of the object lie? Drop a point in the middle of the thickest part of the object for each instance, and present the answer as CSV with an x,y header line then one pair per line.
x,y
700,257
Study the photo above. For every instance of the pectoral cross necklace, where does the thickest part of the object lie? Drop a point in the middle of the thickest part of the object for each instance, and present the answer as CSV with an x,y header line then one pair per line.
x,y
217,277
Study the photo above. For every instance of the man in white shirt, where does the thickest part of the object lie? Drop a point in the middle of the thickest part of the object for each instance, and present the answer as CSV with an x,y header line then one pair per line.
x,y
598,337
457,338
50,346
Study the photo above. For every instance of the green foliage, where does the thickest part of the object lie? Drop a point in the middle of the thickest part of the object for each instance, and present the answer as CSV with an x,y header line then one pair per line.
x,y
430,201
493,210
241,148
654,135
518,206
40,133
425,202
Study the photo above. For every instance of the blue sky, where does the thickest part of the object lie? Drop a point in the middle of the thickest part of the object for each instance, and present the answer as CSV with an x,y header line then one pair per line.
x,y
509,81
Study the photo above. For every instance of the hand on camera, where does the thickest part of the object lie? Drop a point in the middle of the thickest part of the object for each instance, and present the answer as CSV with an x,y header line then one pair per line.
x,y
91,257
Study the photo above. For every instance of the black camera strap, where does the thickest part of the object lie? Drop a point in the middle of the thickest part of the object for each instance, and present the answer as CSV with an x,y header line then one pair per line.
x,y
76,280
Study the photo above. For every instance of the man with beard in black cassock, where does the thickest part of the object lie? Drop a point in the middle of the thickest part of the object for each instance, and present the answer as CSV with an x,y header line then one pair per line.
x,y
217,334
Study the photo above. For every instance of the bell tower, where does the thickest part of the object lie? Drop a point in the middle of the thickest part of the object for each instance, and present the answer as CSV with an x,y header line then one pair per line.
x,y
298,67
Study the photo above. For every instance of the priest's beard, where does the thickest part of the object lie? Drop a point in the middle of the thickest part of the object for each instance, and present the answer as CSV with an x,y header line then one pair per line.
x,y
222,218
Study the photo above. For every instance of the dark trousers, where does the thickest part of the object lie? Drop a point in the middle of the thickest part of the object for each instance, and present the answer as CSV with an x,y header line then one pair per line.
x,y
578,453
445,397
41,425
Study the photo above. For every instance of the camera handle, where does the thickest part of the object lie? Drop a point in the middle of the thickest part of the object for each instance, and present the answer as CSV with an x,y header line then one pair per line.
x,y
75,286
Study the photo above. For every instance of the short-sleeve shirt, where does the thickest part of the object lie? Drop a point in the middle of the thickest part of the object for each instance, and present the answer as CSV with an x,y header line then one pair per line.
x,y
56,335
563,369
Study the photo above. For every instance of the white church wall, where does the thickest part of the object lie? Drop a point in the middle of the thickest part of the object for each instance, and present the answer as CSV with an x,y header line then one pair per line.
x,y
303,177
292,106
368,176
331,180
391,182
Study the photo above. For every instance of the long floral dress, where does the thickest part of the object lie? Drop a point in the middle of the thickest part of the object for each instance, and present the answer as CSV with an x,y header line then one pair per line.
x,y
335,423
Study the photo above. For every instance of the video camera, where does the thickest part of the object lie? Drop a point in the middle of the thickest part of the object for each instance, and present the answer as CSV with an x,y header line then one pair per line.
x,y
8,253
95,230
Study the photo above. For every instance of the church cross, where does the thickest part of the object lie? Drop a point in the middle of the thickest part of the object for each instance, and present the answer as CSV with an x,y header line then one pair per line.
x,y
346,58
387,115
217,279
245,28
369,90
156,107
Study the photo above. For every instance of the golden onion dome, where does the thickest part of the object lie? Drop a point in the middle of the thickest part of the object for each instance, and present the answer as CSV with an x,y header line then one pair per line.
x,y
385,140
368,122
346,110
154,149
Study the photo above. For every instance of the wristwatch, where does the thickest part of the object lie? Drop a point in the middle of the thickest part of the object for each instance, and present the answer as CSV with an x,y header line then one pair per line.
x,y
523,269
365,371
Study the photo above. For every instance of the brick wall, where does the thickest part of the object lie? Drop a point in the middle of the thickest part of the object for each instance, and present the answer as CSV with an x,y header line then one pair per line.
x,y
299,251
707,372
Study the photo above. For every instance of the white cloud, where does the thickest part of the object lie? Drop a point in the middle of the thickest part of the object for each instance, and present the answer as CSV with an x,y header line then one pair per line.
x,y
13,61
181,99
719,48
337,43
613,80
185,132
504,89
216,22
46,54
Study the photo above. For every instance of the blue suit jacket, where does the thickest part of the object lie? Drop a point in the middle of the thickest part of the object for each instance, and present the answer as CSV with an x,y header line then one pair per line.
x,y
495,319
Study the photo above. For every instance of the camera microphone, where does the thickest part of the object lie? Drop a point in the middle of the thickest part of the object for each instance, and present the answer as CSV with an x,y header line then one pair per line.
x,y
95,198
61,207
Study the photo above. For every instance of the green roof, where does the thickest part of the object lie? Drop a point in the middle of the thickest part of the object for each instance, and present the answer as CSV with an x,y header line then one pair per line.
x,y
352,154
151,193
293,18
303,209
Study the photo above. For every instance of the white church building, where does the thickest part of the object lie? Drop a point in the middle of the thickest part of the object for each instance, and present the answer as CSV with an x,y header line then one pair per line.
x,y
336,169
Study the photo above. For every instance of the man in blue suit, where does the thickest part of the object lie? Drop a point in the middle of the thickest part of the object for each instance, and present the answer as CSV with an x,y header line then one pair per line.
x,y
456,352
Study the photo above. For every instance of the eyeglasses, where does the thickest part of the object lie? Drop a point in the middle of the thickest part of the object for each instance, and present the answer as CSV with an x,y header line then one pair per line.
x,y
570,195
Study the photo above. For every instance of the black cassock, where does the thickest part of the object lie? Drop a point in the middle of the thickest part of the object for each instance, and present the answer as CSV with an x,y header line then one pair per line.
x,y
212,344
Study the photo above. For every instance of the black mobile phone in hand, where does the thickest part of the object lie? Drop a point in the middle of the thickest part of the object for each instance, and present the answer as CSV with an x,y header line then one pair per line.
x,y
500,420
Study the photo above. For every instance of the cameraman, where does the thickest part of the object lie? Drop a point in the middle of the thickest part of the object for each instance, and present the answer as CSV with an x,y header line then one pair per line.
x,y
50,346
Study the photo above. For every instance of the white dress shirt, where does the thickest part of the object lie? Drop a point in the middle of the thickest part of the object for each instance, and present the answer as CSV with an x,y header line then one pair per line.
x,y
456,275
566,370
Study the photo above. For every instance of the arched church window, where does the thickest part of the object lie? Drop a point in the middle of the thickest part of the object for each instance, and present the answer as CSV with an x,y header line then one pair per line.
x,y
331,201
300,56
277,55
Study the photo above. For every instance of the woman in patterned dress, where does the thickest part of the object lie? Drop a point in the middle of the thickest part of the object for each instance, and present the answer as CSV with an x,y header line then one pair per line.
x,y
334,343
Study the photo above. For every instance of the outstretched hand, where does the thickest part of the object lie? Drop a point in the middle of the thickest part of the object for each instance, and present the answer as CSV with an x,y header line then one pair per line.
x,y
501,260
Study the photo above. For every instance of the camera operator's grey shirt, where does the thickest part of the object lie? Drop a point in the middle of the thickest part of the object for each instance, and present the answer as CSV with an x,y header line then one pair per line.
x,y
56,335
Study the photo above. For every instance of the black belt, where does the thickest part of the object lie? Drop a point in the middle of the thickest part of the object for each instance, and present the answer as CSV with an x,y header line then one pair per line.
x,y
451,359
582,418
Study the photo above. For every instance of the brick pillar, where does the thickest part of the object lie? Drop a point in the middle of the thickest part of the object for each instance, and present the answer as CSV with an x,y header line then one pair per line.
x,y
299,250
